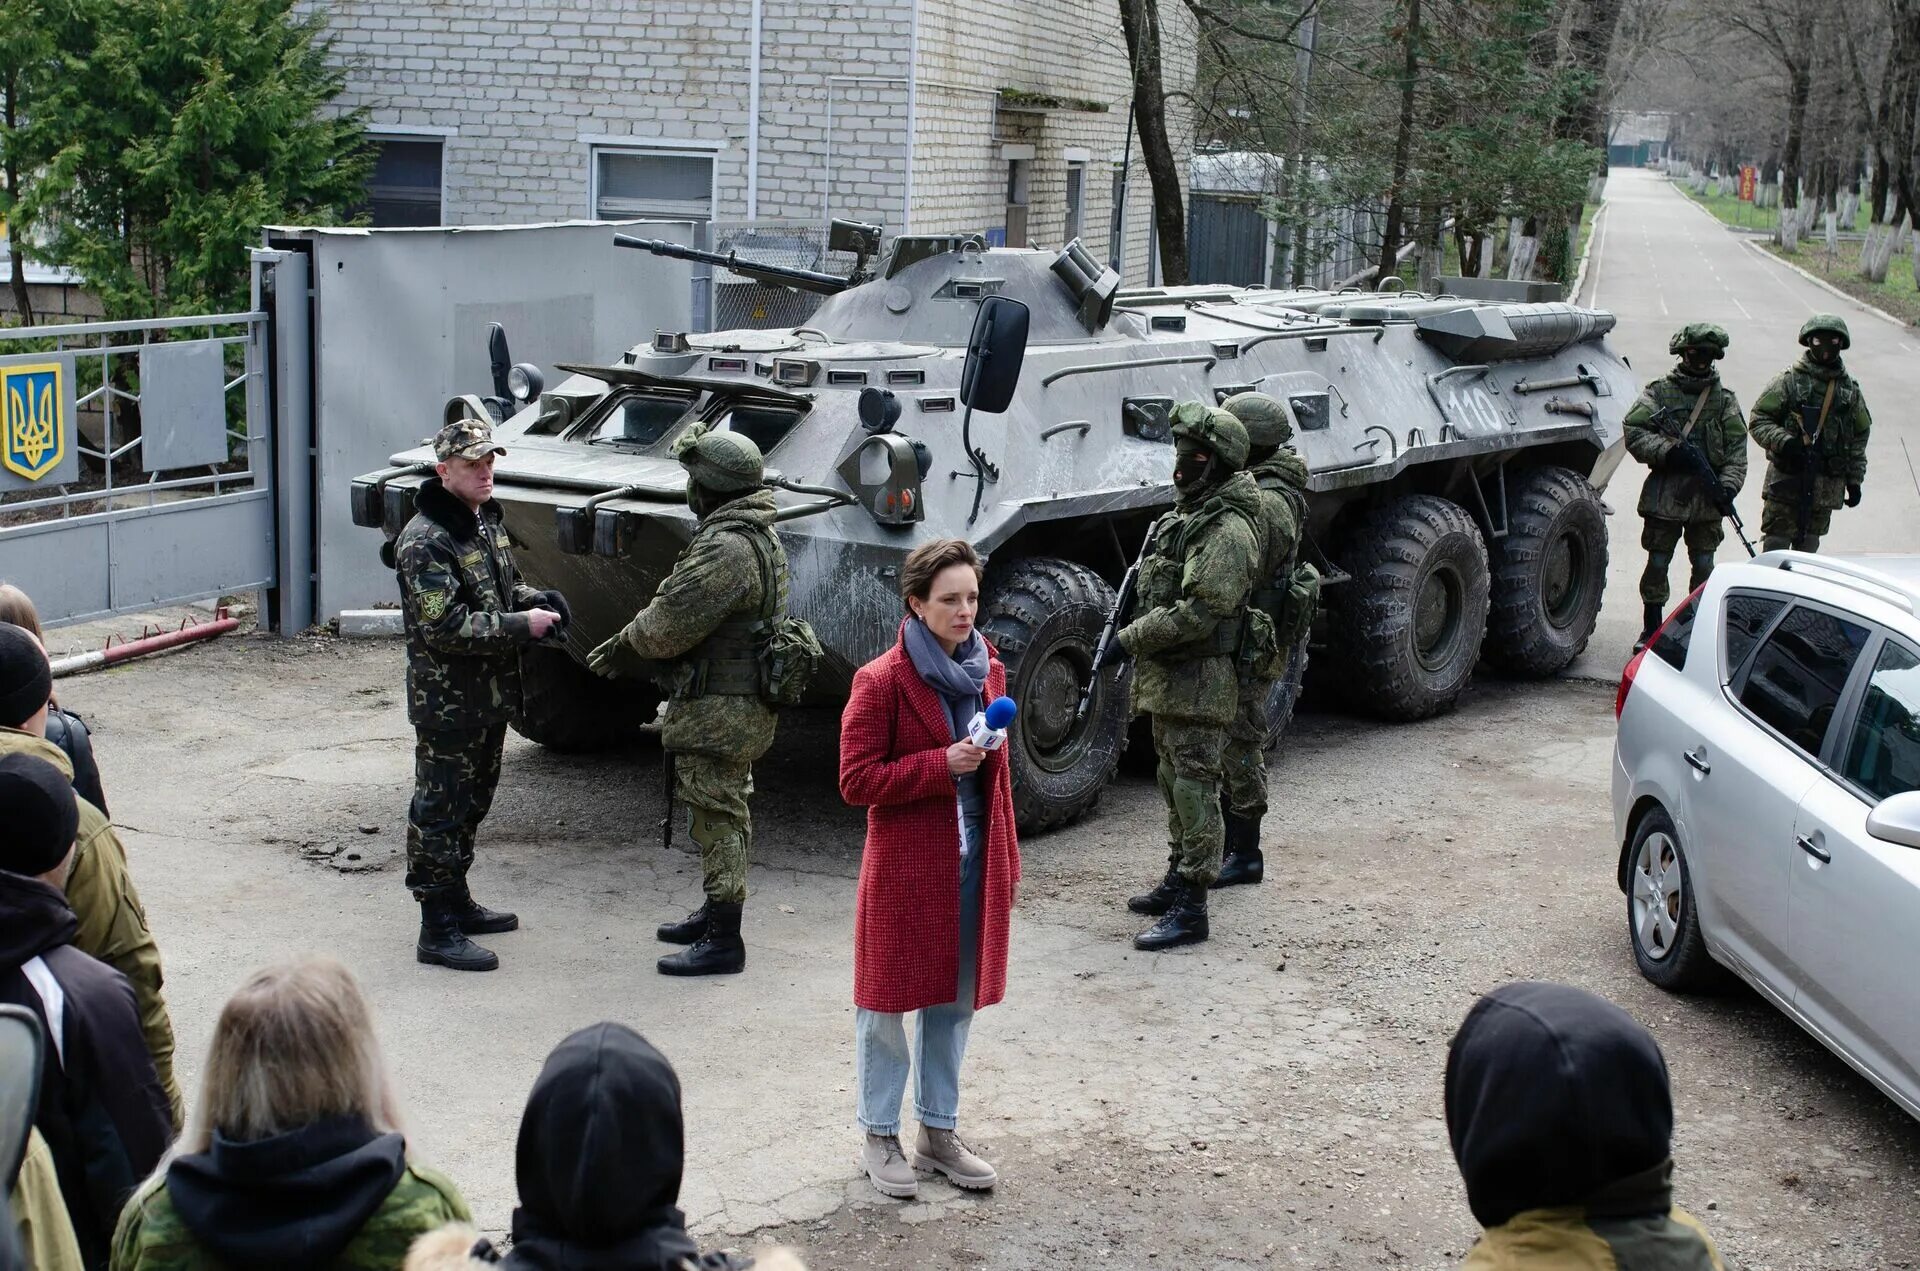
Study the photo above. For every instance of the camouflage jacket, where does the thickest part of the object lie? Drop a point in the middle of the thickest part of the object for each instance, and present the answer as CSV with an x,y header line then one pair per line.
x,y
1282,479
731,573
153,1237
1790,408
461,595
1204,560
1653,428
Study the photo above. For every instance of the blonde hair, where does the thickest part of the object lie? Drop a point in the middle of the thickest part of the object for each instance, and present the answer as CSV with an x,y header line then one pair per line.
x,y
294,1045
17,607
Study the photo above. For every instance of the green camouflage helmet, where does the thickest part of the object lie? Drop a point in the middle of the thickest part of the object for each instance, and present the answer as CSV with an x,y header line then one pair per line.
x,y
1268,420
1215,429
723,461
1831,324
1700,335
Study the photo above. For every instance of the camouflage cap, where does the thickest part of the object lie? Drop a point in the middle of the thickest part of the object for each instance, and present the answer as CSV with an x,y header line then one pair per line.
x,y
1215,429
465,439
1268,420
723,461
1830,324
1700,335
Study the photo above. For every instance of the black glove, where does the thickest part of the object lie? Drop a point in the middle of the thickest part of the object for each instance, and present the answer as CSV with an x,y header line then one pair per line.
x,y
558,603
1853,494
1675,459
1723,500
1791,454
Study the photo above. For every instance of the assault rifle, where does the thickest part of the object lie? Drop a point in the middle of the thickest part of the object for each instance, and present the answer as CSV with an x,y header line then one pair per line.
x,y
1702,471
1116,618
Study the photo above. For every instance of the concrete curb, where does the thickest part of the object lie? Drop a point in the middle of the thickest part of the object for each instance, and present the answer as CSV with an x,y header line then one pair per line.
x,y
1586,254
1826,286
372,623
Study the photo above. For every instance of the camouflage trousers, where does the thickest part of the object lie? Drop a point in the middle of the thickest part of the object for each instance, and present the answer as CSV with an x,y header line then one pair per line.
x,y
1660,537
1189,779
715,790
1780,522
455,771
1243,771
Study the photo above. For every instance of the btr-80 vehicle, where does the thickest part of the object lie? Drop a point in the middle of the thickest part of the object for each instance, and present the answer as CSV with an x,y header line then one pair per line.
x,y
1456,448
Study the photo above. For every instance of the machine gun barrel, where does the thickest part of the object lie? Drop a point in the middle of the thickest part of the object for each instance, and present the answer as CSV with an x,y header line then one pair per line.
x,y
779,275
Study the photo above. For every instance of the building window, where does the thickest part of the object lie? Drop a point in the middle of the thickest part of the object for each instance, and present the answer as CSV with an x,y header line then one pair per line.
x,y
1017,172
1076,199
404,189
663,185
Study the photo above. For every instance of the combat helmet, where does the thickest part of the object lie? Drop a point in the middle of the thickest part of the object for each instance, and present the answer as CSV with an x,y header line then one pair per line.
x,y
1831,324
1701,335
1217,430
723,461
1267,419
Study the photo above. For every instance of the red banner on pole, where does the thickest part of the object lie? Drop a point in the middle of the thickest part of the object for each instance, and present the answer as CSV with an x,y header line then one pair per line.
x,y
1749,178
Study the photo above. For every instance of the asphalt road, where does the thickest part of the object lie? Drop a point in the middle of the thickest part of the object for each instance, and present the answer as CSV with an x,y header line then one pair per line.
x,y
1659,261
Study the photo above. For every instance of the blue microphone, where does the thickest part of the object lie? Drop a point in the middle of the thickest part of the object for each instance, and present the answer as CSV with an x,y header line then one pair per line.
x,y
988,728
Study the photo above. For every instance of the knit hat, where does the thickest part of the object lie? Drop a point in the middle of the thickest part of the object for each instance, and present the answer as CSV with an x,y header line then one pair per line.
x,y
26,683
41,812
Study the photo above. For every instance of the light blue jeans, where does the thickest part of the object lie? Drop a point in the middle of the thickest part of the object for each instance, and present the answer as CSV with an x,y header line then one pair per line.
x,y
939,1035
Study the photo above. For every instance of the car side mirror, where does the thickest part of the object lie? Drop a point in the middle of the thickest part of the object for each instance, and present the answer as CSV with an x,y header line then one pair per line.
x,y
995,352
1897,819
20,1059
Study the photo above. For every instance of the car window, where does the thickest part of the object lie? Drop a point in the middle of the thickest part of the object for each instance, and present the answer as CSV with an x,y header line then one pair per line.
x,y
1883,754
1799,672
641,419
767,426
1747,618
1671,647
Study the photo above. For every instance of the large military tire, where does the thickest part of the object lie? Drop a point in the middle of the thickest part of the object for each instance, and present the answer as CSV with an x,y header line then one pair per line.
x,y
1548,573
1406,631
566,707
1044,616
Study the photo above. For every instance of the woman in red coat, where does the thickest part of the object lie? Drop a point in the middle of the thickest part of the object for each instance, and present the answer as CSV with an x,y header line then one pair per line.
x,y
938,875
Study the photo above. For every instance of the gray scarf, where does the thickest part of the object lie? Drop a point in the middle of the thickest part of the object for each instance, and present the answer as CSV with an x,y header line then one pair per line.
x,y
958,680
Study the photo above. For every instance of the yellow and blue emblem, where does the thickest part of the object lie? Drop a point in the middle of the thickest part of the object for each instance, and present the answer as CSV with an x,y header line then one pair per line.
x,y
33,438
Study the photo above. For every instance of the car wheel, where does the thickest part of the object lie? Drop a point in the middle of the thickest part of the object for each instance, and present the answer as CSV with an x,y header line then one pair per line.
x,y
1662,919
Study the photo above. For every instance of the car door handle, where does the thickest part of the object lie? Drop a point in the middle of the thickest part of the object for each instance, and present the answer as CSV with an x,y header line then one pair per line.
x,y
1698,758
1814,850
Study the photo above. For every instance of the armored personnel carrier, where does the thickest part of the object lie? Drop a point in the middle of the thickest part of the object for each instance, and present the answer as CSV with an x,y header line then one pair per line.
x,y
1456,450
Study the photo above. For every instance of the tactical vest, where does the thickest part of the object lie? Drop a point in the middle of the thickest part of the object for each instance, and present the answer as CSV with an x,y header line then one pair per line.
x,y
728,663
1174,545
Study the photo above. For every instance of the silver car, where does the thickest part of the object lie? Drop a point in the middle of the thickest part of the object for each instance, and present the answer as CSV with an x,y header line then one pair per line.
x,y
1766,797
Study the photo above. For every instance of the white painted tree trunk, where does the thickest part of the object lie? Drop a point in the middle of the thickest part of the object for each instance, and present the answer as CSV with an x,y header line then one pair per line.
x,y
1833,231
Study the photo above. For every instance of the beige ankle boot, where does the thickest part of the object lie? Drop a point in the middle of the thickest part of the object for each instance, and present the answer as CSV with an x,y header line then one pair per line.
x,y
886,1164
942,1150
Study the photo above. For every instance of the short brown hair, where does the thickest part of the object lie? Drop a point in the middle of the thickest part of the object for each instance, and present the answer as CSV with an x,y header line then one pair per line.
x,y
928,560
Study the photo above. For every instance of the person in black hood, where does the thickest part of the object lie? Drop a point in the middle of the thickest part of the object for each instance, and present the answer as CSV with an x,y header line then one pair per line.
x,y
598,1166
294,1161
1561,1120
101,1108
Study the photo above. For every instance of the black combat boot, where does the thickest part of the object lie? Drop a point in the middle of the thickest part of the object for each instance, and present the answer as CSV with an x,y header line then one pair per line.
x,y
718,951
1161,898
1185,923
1650,621
1243,862
688,929
442,943
476,919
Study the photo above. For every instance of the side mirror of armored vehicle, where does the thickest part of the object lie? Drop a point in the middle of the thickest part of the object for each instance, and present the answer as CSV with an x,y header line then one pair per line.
x,y
995,352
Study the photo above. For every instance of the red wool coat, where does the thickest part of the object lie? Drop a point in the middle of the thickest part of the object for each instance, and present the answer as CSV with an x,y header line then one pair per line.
x,y
894,736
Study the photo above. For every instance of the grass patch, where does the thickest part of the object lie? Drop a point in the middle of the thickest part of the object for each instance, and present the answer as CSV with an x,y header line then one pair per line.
x,y
1729,210
1841,267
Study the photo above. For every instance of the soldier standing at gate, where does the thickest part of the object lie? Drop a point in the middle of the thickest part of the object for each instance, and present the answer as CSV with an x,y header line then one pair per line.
x,y
1281,476
1686,427
1203,561
467,615
1813,424
705,634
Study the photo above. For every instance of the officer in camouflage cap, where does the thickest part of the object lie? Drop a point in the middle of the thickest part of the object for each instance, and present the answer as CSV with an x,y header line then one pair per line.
x,y
703,634
1687,428
1202,560
1281,476
467,617
1812,421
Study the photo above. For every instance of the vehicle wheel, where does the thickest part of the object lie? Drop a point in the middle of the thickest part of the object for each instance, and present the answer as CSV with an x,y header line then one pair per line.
x,y
568,708
1406,631
1662,920
1548,573
1044,616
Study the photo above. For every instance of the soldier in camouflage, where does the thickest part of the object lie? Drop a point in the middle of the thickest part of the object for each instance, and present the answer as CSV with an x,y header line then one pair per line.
x,y
1281,475
703,635
1812,421
1203,560
1687,428
467,617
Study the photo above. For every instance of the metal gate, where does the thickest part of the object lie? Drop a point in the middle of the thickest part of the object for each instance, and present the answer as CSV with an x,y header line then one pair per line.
x,y
137,458
1228,242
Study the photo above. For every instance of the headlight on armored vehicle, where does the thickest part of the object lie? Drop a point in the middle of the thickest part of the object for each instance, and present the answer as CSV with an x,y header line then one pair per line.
x,y
524,381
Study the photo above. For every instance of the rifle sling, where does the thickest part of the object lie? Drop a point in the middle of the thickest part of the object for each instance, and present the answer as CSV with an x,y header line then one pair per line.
x,y
1820,424
1699,404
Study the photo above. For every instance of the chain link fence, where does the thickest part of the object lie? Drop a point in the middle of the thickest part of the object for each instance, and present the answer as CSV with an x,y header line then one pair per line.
x,y
742,302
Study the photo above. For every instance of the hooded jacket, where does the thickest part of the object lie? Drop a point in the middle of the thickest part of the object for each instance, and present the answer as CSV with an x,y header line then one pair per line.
x,y
101,1108
1561,1120
332,1196
113,924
